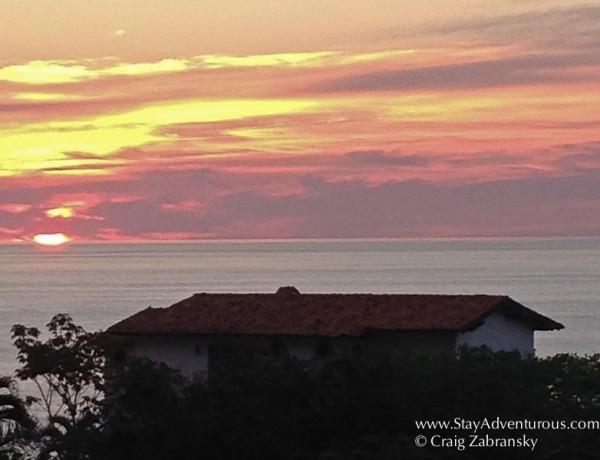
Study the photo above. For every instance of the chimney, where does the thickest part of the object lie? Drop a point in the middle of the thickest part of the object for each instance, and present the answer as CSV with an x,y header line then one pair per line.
x,y
287,291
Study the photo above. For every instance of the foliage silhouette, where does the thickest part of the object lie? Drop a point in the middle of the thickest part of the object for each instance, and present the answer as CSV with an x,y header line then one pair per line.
x,y
267,404
265,407
17,426
68,370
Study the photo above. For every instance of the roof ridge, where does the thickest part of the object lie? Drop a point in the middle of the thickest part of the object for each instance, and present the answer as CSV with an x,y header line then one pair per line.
x,y
290,313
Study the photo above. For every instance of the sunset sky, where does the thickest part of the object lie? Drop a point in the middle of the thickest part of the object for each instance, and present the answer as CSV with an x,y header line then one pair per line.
x,y
154,119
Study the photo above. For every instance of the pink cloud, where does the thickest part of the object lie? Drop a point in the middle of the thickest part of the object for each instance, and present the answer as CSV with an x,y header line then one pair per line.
x,y
183,206
473,139
15,208
10,233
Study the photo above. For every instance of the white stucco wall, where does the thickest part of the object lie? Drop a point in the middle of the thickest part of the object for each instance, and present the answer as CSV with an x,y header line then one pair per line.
x,y
499,333
185,353
190,355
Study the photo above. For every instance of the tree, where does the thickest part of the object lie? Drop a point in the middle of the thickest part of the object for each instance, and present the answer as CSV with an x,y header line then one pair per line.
x,y
68,371
67,368
144,416
256,406
16,423
351,408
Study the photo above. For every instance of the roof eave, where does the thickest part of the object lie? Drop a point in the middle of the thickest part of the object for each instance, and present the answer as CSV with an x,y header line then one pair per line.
x,y
514,309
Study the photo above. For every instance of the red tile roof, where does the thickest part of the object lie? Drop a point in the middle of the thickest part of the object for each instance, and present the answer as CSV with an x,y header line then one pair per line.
x,y
288,312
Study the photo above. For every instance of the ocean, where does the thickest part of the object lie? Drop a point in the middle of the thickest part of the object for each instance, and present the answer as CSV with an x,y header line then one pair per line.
x,y
99,284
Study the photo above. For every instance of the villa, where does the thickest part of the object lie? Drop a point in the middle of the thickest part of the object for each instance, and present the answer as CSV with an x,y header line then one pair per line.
x,y
318,325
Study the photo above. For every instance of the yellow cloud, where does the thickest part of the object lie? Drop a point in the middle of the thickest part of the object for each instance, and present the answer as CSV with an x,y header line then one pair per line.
x,y
44,72
41,147
265,60
63,212
368,57
57,72
32,96
79,172
203,111
145,68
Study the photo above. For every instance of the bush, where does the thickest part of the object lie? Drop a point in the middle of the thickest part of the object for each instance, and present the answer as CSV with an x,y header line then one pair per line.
x,y
257,406
354,408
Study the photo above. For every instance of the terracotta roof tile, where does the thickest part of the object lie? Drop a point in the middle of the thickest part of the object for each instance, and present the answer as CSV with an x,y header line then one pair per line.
x,y
288,312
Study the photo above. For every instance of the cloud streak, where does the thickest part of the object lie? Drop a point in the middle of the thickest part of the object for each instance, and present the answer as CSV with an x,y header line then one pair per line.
x,y
60,72
516,71
209,203
427,132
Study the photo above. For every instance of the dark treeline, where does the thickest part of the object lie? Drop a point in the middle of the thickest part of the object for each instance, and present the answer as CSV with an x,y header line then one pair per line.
x,y
348,407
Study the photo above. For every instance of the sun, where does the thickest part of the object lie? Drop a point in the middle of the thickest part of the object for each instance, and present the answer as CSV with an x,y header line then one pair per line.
x,y
51,239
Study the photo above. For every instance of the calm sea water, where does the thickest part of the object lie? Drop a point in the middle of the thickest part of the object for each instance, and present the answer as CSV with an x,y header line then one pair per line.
x,y
99,284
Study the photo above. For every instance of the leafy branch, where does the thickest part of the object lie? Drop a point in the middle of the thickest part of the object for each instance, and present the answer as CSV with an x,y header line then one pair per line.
x,y
67,368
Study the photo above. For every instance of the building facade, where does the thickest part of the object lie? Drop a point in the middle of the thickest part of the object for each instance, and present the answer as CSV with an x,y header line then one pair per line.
x,y
320,325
